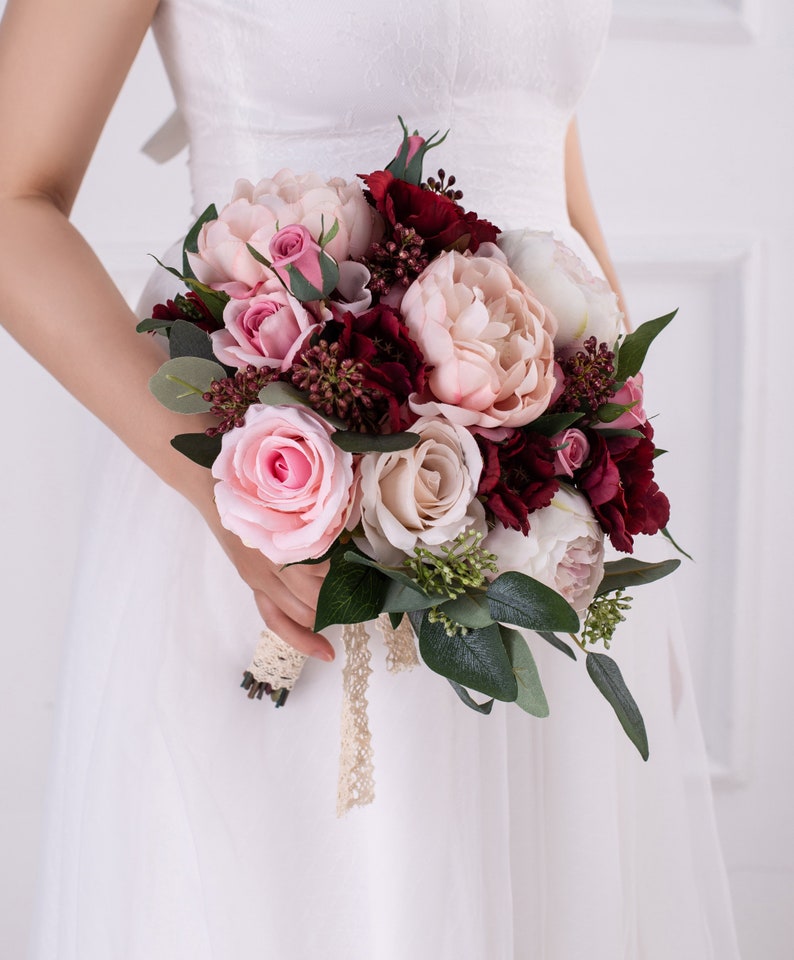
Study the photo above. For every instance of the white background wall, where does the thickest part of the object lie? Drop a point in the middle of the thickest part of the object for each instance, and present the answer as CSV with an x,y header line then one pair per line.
x,y
689,137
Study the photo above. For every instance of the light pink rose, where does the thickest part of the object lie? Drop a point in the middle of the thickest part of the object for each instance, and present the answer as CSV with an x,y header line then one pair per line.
x,y
572,453
487,340
584,305
265,330
284,487
294,246
564,548
252,216
423,496
630,393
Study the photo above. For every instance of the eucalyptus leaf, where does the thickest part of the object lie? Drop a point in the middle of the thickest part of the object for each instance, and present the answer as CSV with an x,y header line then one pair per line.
x,y
469,611
518,599
401,599
552,423
606,675
278,394
191,240
393,573
668,536
350,593
150,324
557,643
395,619
198,447
354,442
634,347
477,659
180,383
188,340
531,696
466,697
628,572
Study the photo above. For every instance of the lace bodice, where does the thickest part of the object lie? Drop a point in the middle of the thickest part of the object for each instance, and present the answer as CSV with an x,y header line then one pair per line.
x,y
318,86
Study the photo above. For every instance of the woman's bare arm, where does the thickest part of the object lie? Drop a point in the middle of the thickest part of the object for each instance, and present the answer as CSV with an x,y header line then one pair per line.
x,y
582,213
62,65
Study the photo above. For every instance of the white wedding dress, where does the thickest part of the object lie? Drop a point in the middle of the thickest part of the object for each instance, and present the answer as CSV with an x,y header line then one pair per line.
x,y
189,823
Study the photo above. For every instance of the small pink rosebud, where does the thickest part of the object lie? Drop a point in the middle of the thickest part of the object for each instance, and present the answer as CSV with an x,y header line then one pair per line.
x,y
294,246
574,449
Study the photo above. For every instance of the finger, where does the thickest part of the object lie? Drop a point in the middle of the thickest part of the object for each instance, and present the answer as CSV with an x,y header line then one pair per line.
x,y
301,637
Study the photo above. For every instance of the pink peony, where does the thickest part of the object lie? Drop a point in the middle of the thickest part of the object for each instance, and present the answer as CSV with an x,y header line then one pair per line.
x,y
257,212
266,330
284,487
487,340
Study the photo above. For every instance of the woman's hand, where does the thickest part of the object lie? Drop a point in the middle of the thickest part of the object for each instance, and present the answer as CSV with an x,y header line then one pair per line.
x,y
286,597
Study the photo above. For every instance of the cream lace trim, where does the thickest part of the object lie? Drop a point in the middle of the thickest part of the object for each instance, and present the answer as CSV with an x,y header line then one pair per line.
x,y
278,664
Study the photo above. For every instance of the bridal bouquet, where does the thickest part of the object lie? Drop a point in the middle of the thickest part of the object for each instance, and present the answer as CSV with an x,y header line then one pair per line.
x,y
447,413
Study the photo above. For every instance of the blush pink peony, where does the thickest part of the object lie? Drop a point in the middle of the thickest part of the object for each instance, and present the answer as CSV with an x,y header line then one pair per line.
x,y
283,486
488,341
265,330
258,211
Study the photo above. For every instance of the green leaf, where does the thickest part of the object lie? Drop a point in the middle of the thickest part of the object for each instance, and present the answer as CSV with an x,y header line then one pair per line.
x,y
279,394
658,452
259,257
609,412
172,270
351,593
188,340
620,574
477,660
555,642
395,619
401,599
191,240
393,573
180,383
631,354
325,238
374,443
552,423
518,599
150,324
198,447
468,611
470,702
531,696
607,432
214,300
606,675
668,536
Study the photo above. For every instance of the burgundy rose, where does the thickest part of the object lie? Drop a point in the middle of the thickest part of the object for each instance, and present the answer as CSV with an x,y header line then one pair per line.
x,y
517,477
619,483
439,221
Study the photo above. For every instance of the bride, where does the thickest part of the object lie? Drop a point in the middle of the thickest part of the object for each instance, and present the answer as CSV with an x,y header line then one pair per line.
x,y
187,822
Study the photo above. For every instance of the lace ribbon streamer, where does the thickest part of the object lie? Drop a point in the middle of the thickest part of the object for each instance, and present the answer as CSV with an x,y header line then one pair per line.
x,y
276,666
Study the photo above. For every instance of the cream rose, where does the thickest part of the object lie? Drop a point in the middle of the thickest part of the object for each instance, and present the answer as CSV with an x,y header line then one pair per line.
x,y
584,305
423,496
486,338
564,548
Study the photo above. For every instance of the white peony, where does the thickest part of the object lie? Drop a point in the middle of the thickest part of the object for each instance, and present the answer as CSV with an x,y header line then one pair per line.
x,y
584,305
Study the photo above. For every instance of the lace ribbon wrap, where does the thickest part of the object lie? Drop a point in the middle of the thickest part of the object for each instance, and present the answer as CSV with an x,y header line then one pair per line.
x,y
276,666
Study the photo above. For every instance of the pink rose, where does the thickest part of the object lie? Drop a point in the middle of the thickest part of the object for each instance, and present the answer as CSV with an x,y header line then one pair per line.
x,y
294,246
487,340
266,330
572,453
284,487
630,393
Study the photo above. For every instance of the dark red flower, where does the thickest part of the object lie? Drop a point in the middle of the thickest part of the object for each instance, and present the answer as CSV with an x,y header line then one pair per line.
x,y
437,219
365,372
619,483
188,306
517,477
